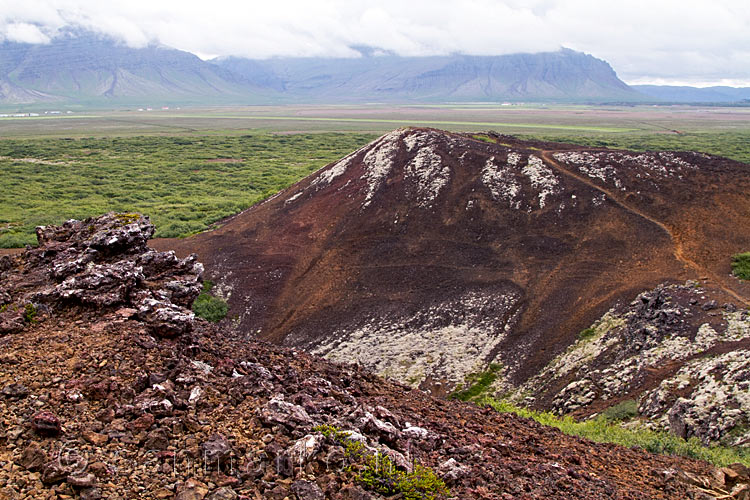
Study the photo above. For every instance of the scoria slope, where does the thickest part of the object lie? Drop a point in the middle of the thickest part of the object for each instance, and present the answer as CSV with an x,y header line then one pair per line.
x,y
111,388
426,255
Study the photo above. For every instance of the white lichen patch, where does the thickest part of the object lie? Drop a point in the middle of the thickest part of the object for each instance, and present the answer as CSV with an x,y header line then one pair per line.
x,y
603,165
378,162
514,159
417,140
428,172
426,345
584,350
651,334
718,401
591,165
292,199
328,175
542,178
502,181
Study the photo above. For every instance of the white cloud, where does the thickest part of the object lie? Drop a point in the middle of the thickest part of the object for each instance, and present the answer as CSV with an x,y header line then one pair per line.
x,y
24,33
698,40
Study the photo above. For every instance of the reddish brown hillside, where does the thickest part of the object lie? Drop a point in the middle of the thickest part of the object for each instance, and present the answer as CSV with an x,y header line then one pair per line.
x,y
427,254
111,388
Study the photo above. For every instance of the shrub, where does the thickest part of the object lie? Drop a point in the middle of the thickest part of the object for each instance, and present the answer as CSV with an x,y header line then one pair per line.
x,y
208,307
29,313
587,333
353,449
741,265
477,384
624,410
379,474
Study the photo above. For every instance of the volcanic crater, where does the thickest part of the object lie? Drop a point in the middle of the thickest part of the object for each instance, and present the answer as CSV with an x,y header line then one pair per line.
x,y
426,255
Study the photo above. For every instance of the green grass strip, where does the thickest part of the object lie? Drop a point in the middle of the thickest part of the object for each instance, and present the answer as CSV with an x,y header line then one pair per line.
x,y
414,122
602,430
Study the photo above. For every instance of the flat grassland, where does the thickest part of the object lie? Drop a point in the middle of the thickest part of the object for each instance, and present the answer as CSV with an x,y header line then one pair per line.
x,y
189,168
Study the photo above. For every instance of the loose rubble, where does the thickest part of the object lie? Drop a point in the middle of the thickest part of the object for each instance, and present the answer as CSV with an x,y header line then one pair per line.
x,y
105,405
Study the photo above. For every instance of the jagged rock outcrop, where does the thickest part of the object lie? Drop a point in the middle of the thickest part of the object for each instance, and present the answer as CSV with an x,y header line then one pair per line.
x,y
686,365
100,263
95,406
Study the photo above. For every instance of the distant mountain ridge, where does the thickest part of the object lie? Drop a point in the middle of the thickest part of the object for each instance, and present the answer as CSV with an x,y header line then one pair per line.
x,y
686,94
89,68
562,75
86,68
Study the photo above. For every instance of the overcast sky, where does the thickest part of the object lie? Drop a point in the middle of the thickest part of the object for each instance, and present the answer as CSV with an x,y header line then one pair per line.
x,y
697,42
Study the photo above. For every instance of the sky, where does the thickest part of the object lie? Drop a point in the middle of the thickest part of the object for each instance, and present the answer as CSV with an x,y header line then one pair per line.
x,y
683,42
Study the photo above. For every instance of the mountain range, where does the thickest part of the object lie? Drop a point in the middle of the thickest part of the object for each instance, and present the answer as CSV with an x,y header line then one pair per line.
x,y
84,68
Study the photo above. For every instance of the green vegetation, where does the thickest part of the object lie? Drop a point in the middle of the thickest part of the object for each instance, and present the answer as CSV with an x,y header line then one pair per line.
x,y
184,183
378,473
741,265
477,384
29,313
587,333
624,410
208,307
212,167
354,450
603,430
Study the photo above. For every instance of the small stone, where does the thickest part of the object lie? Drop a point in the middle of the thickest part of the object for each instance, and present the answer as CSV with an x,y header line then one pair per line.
x,y
95,438
742,472
33,458
9,359
141,423
15,391
106,415
157,440
54,472
82,480
224,493
710,305
46,423
306,490
162,408
191,489
91,494
216,450
14,433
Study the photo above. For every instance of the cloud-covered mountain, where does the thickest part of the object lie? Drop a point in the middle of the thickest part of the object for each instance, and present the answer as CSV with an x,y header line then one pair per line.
x,y
565,75
85,68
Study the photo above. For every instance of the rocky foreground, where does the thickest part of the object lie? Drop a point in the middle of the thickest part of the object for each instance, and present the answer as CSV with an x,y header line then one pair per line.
x,y
111,388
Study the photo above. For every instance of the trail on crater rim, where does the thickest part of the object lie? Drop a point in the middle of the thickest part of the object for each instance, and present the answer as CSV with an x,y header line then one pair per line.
x,y
679,252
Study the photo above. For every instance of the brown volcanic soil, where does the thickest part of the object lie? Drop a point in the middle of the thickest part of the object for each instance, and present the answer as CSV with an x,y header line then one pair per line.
x,y
367,243
96,403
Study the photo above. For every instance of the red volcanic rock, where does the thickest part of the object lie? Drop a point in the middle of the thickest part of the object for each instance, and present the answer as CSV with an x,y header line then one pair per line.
x,y
103,264
46,423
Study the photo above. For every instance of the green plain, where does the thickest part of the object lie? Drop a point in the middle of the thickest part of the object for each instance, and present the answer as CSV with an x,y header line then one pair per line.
x,y
189,168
